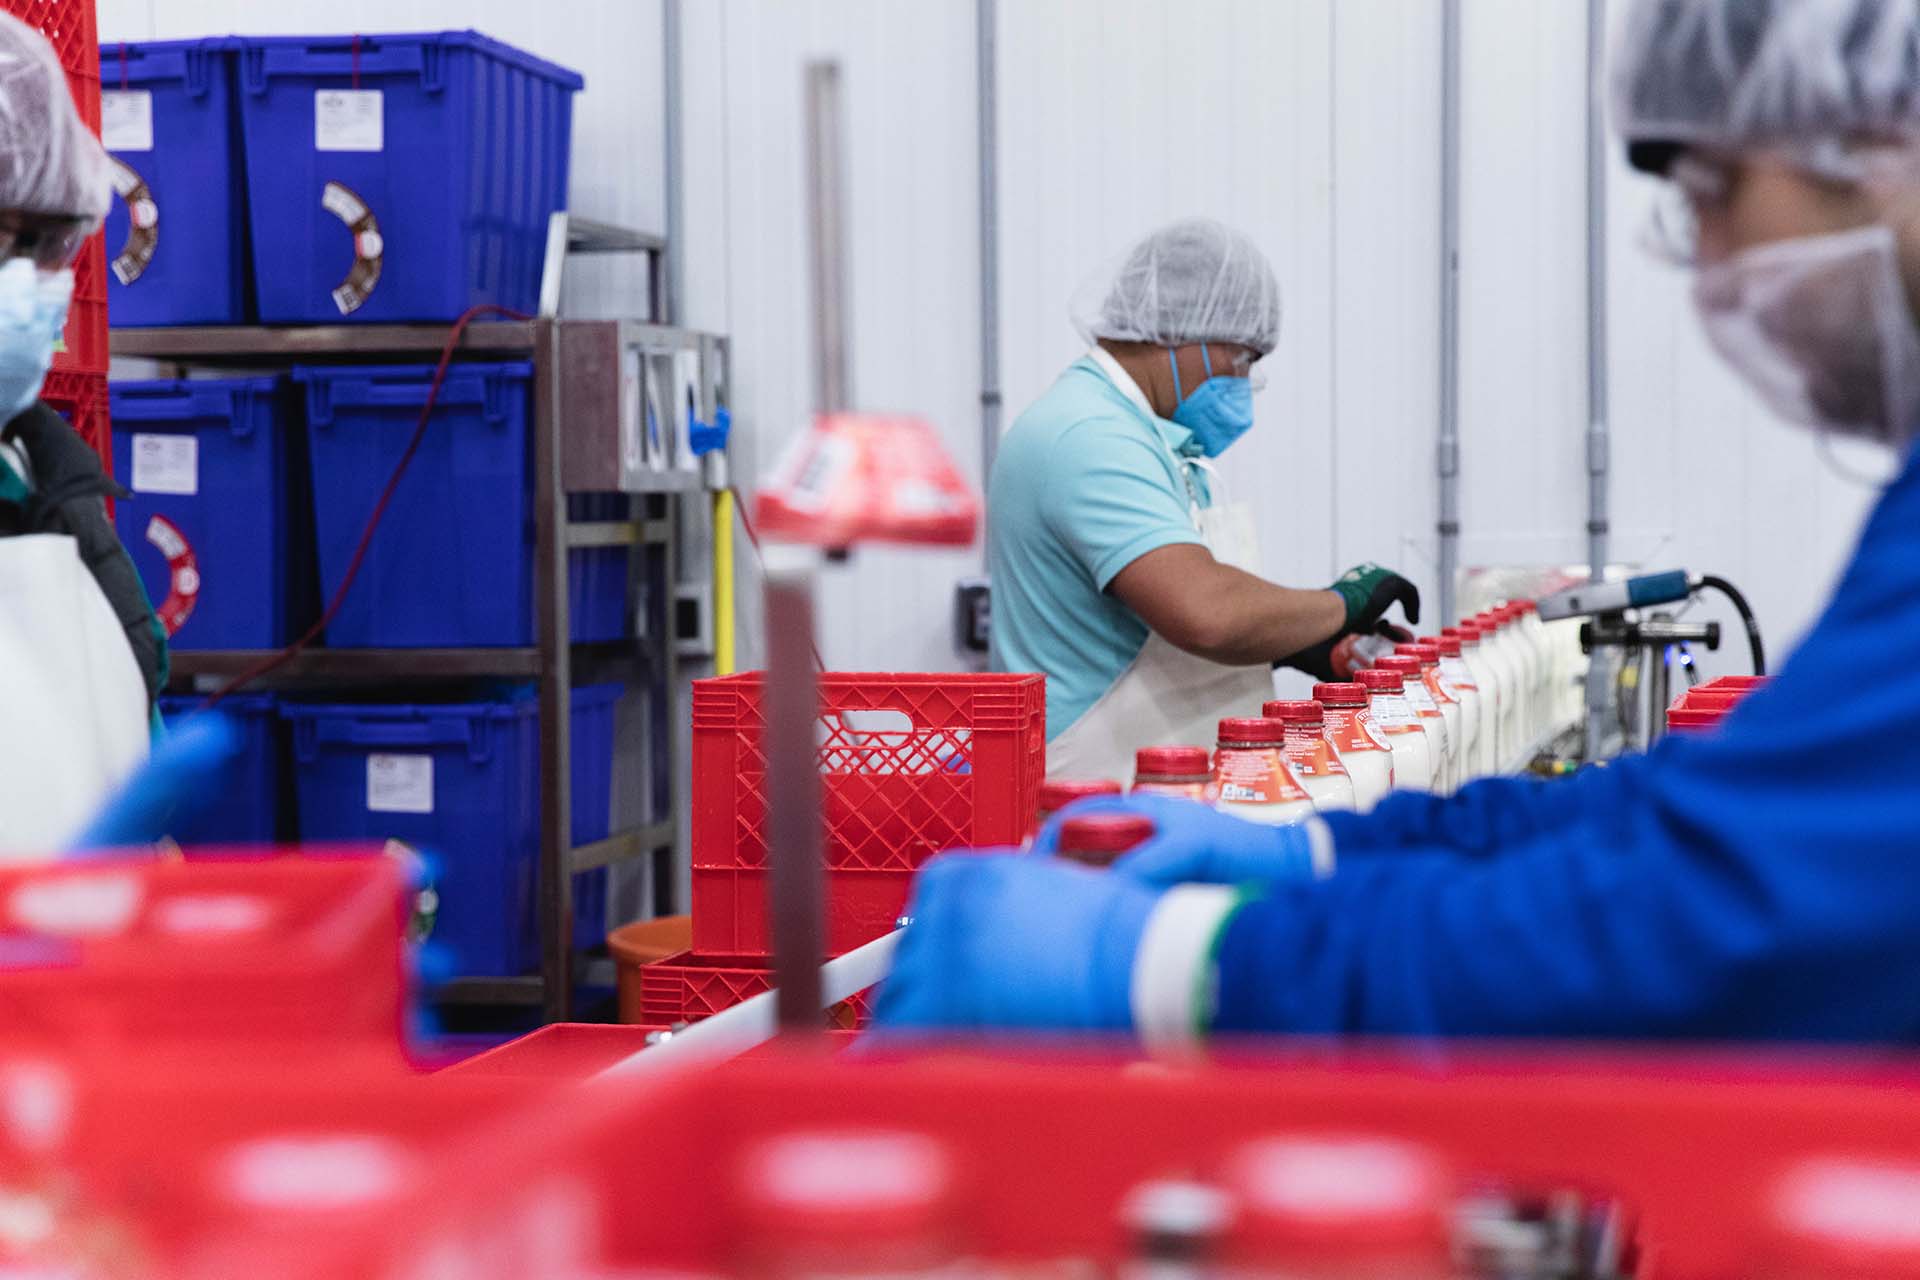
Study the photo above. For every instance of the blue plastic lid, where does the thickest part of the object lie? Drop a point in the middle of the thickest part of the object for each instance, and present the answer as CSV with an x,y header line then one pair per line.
x,y
174,704
153,61
372,43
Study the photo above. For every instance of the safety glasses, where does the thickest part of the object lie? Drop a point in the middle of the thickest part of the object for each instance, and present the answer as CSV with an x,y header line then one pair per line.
x,y
50,243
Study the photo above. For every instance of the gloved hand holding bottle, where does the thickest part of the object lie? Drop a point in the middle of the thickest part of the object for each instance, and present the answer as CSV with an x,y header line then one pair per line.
x,y
1366,591
1194,844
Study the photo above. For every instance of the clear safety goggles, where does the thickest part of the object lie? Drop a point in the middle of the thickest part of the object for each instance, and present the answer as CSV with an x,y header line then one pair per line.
x,y
50,242
1244,364
1702,182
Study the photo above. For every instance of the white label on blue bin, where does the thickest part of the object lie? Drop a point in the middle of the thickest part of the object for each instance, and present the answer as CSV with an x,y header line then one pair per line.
x,y
166,464
349,120
126,120
399,784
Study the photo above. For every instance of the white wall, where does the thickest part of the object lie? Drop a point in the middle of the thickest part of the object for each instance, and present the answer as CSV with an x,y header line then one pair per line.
x,y
1313,124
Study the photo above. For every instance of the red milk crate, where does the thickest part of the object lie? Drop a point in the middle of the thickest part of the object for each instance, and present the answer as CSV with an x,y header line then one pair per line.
x,y
69,27
81,398
1651,1166
689,987
120,955
1704,706
909,765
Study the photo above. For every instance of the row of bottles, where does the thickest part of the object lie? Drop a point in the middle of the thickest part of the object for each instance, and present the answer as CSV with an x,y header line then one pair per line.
x,y
1432,715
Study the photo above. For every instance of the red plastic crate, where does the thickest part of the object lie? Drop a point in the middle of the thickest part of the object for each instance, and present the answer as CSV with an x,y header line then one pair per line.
x,y
730,909
69,26
689,987
116,955
910,765
1704,706
81,398
1703,1153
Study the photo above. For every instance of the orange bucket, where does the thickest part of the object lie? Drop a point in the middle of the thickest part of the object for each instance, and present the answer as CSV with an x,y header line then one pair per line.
x,y
643,942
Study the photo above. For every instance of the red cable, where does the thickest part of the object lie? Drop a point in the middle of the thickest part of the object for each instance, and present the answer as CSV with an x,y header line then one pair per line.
x,y
356,61
287,654
123,64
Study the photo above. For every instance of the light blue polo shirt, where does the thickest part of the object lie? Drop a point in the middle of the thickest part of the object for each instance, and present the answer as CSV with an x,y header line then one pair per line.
x,y
1085,482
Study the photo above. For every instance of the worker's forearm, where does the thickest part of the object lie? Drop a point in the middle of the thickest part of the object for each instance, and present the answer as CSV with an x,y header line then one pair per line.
x,y
1254,622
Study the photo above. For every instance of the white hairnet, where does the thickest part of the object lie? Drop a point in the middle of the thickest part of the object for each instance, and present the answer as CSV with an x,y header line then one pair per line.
x,y
1736,74
49,161
1191,281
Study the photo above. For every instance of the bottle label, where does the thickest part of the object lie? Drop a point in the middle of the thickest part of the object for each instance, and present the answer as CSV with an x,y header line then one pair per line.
x,y
1394,715
1203,792
1439,688
1257,776
1314,758
1352,729
1457,675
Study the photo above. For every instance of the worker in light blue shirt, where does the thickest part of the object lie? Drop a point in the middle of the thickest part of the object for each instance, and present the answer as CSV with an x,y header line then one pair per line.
x,y
1759,881
1120,568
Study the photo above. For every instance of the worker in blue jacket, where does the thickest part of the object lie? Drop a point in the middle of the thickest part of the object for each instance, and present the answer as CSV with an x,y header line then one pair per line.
x,y
1759,881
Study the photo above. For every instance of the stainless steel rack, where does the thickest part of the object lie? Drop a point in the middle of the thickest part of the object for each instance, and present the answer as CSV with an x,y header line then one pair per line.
x,y
647,660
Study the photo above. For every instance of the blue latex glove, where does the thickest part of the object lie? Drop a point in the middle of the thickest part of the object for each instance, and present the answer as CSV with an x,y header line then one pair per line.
x,y
1002,939
1193,844
184,772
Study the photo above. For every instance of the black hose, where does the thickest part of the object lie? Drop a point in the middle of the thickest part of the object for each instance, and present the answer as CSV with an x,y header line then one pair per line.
x,y
1745,611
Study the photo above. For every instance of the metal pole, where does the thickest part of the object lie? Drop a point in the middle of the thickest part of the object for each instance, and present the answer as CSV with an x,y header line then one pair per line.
x,y
1447,454
555,891
1598,438
988,94
826,189
667,306
792,694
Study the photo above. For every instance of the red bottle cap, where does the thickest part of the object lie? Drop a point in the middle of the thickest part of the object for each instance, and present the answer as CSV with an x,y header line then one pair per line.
x,y
1099,838
1426,653
1465,633
1382,680
1256,730
1057,793
1449,646
1403,663
1343,694
1171,762
1296,712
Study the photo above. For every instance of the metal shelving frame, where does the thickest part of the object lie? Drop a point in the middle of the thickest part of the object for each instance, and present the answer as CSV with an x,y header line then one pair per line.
x,y
552,661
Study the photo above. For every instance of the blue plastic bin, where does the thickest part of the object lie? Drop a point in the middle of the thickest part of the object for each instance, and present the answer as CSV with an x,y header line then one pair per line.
x,y
253,809
223,464
461,781
428,199
452,562
188,180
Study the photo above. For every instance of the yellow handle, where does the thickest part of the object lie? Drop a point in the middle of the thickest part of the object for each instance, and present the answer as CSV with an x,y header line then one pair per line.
x,y
723,582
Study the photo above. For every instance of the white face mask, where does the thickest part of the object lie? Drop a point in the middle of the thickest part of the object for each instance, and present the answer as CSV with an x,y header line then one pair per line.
x,y
33,311
1821,328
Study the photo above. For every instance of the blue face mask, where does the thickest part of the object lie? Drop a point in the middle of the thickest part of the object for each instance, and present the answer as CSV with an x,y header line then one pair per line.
x,y
33,311
1219,411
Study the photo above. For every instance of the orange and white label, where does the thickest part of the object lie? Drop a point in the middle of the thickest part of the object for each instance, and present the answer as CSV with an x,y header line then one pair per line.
x,y
1440,689
1352,729
1314,758
1257,775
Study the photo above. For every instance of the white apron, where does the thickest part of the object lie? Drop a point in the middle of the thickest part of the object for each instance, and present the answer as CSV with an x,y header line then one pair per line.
x,y
73,705
1167,696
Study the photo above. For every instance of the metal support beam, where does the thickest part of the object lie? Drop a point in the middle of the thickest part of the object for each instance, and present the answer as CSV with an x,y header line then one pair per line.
x,y
1447,449
987,93
555,898
1599,445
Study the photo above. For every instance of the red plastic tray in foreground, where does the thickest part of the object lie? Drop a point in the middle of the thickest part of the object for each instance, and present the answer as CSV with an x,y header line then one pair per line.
x,y
1719,1159
138,952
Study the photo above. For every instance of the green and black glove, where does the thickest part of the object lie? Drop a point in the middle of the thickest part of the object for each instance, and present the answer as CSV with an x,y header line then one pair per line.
x,y
1368,591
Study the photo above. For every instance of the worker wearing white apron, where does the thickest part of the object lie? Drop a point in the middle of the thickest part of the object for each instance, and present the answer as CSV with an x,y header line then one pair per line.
x,y
82,658
1119,569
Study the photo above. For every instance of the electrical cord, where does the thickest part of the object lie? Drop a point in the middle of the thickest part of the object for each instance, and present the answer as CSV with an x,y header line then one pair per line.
x,y
1739,601
286,655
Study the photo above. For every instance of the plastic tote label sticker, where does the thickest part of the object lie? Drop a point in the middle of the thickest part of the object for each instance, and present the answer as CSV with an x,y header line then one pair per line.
x,y
143,221
369,248
183,573
399,784
126,120
166,464
349,120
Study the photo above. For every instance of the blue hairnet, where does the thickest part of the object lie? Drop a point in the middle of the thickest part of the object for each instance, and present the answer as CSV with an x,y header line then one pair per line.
x,y
1739,74
49,161
1191,281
